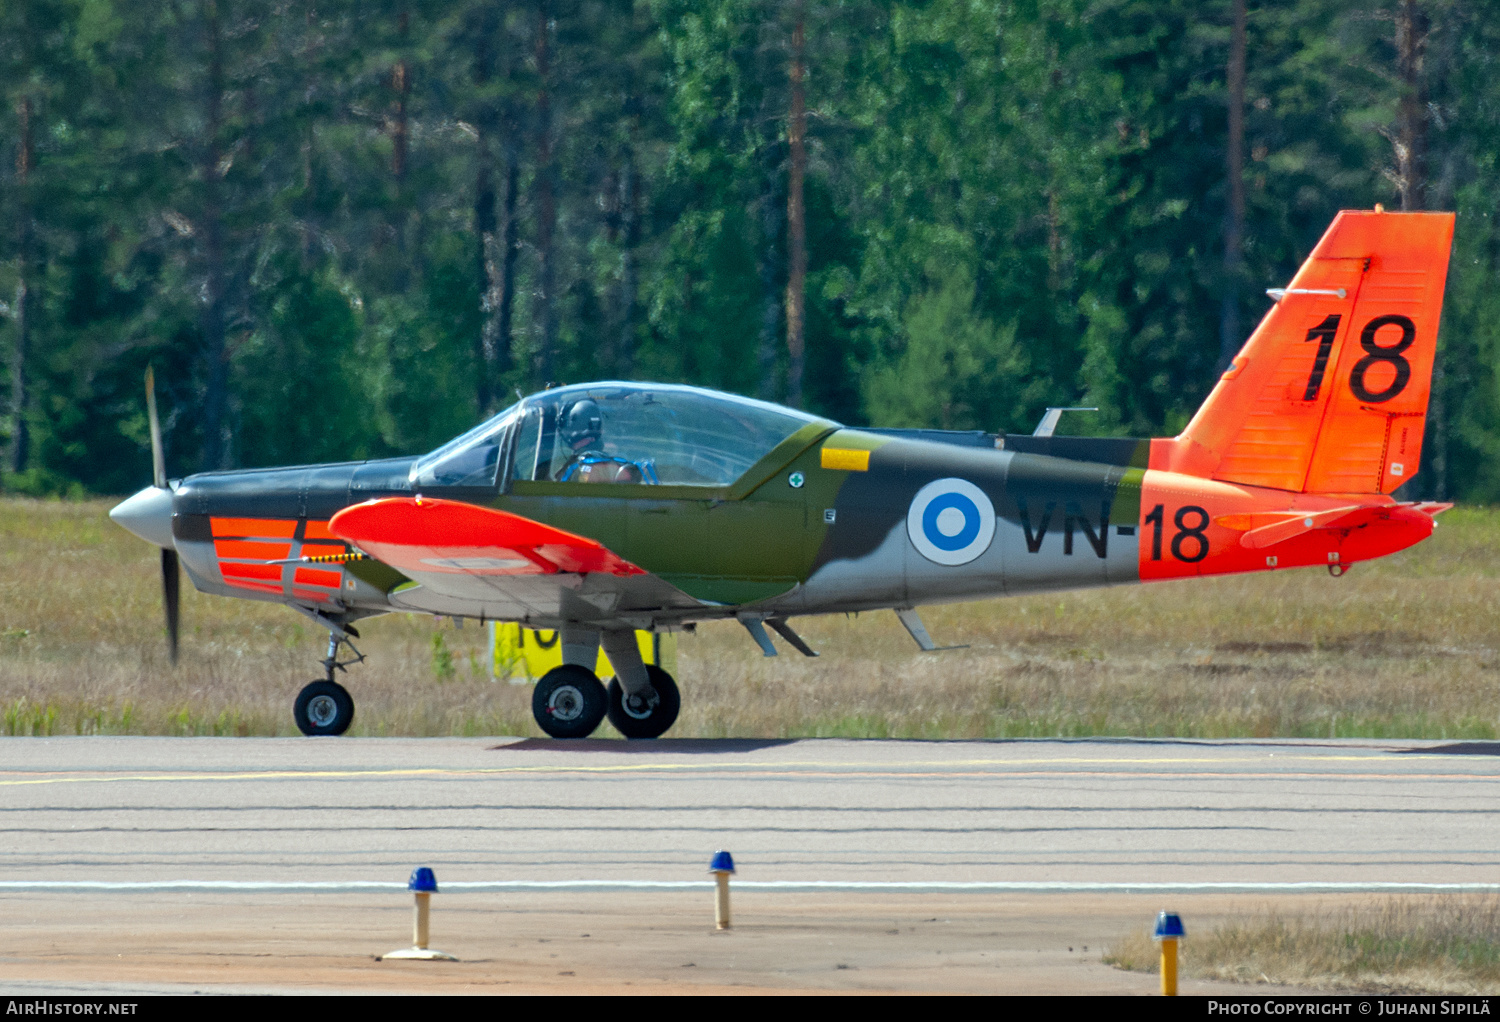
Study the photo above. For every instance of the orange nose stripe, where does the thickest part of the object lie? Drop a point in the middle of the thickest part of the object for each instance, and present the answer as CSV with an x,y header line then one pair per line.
x,y
253,527
317,577
318,530
266,571
250,549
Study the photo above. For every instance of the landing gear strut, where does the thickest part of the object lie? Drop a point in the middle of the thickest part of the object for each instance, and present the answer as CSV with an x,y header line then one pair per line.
x,y
570,702
325,707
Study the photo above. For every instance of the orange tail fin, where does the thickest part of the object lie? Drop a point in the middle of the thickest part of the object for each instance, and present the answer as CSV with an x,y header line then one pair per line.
x,y
1329,395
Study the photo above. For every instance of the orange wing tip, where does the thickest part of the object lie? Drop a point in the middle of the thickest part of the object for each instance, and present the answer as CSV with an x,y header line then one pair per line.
x,y
426,534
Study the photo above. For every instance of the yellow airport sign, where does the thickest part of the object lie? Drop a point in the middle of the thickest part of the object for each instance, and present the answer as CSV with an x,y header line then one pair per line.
x,y
522,655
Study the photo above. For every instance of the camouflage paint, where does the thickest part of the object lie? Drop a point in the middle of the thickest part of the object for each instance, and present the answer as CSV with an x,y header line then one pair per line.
x,y
1055,526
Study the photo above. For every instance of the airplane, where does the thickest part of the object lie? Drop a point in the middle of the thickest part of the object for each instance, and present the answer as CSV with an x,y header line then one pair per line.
x,y
603,509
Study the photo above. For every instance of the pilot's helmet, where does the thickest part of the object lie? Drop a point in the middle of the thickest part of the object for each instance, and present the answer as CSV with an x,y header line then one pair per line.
x,y
582,424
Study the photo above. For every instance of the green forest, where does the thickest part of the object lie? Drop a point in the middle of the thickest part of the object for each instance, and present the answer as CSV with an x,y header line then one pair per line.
x,y
342,230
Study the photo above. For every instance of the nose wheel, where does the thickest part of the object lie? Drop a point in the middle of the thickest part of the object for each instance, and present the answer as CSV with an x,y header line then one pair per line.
x,y
323,708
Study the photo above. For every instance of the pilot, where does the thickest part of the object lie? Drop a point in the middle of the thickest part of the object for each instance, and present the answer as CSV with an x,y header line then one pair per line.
x,y
581,428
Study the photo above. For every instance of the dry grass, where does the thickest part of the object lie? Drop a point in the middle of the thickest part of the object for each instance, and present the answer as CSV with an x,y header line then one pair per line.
x,y
1405,647
1401,945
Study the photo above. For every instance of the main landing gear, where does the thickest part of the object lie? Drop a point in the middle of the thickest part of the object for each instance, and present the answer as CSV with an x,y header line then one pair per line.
x,y
645,715
570,701
325,707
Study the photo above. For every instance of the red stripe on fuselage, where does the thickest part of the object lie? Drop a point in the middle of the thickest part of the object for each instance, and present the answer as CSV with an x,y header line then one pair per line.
x,y
253,527
317,530
251,550
265,571
317,577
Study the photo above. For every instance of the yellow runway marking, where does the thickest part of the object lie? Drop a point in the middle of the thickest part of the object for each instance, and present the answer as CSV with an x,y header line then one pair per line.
x,y
1002,768
793,765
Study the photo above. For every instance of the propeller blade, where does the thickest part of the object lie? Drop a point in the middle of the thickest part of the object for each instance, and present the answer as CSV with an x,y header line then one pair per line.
x,y
171,590
170,595
158,460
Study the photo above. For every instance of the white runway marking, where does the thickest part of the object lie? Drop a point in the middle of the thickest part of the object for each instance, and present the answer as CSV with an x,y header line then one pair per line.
x,y
884,887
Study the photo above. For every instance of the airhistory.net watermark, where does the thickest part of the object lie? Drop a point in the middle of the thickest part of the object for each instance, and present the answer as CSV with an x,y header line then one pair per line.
x,y
38,1006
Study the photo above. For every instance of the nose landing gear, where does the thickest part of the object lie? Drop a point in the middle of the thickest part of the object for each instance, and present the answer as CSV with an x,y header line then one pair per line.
x,y
325,707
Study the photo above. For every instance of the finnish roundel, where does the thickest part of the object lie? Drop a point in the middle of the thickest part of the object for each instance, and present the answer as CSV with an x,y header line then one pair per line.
x,y
951,521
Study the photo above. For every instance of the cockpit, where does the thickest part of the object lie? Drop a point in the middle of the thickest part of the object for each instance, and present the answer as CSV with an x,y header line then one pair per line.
x,y
643,433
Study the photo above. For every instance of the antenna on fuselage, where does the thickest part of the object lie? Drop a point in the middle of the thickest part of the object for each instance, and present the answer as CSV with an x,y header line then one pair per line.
x,y
1048,425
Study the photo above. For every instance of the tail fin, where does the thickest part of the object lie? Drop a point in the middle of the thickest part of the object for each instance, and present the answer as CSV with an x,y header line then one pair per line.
x,y
1329,395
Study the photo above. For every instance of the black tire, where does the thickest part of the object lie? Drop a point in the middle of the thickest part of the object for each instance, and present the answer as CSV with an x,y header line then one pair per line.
x,y
645,721
569,702
323,708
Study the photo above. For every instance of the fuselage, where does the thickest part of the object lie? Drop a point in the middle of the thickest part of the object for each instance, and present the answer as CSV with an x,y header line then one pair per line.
x,y
838,520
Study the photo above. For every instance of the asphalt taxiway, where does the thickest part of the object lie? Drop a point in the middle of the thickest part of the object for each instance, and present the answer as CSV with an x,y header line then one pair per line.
x,y
845,836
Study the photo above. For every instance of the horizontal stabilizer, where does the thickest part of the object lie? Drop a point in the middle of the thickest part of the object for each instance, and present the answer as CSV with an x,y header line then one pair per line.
x,y
1264,529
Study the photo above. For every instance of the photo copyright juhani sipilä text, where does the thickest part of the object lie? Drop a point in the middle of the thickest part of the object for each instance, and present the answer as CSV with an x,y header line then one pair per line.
x,y
1373,1006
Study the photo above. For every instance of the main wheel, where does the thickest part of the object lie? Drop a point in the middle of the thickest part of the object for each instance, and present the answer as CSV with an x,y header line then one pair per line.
x,y
569,702
635,717
323,708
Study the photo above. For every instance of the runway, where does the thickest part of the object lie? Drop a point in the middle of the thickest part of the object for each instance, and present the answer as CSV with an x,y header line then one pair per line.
x,y
487,811
255,865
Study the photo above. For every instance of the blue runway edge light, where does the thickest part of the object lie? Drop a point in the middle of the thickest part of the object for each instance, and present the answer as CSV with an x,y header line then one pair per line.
x,y
1169,924
422,880
723,863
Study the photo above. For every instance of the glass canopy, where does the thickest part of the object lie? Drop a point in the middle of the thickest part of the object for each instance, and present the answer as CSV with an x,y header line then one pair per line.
x,y
617,432
647,433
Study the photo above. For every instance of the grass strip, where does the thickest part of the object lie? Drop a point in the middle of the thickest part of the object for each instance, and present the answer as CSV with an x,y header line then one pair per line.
x,y
1440,944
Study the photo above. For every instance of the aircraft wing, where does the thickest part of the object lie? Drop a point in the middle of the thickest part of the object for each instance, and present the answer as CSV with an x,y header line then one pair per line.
x,y
474,560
